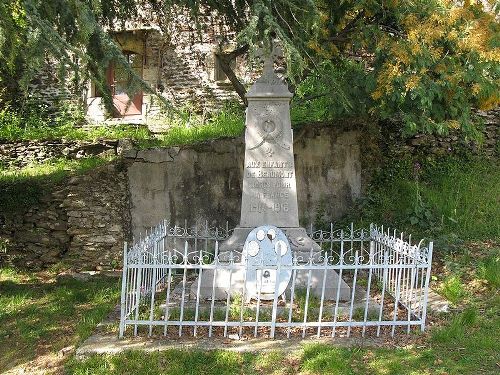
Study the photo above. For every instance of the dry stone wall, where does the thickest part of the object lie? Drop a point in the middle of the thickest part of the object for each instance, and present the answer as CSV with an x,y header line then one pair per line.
x,y
20,154
82,222
448,144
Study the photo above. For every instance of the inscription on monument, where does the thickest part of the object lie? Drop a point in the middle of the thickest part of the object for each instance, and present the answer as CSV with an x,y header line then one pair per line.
x,y
269,189
270,180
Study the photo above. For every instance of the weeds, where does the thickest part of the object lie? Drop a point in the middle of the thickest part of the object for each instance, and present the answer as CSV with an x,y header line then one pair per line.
x,y
489,270
183,127
452,289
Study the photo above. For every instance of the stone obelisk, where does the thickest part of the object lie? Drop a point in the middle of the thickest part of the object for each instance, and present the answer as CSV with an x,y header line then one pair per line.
x,y
269,194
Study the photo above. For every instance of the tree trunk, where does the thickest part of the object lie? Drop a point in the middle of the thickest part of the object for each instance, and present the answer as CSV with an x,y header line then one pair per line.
x,y
225,61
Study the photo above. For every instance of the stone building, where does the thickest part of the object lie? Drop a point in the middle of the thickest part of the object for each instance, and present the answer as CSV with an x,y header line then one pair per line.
x,y
182,67
179,63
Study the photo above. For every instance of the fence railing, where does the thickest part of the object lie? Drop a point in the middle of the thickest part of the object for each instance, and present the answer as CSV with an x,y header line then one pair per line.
x,y
366,281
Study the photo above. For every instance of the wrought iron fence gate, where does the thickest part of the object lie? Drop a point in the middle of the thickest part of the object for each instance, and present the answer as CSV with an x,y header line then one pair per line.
x,y
387,277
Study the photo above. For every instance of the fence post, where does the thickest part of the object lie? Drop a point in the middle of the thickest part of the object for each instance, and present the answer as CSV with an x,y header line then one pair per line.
x,y
124,290
426,291
138,285
153,285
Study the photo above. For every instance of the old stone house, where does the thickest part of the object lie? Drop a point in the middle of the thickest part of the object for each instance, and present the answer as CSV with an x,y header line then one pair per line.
x,y
182,67
179,64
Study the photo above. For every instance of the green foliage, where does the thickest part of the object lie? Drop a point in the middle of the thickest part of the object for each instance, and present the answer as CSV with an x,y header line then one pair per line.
x,y
444,62
332,91
23,187
68,33
186,127
430,62
437,197
34,122
426,63
489,270
13,123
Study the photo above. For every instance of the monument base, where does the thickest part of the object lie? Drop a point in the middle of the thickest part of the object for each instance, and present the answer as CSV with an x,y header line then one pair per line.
x,y
302,247
221,285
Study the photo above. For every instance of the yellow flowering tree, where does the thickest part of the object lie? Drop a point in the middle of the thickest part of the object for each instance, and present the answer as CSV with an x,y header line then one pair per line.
x,y
428,63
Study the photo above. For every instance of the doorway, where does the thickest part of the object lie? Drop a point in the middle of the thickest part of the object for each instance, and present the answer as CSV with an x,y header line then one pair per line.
x,y
119,79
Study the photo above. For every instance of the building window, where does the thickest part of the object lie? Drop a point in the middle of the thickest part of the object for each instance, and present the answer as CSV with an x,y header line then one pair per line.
x,y
219,74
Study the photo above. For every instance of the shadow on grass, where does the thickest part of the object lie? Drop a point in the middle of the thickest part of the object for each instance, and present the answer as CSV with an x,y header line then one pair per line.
x,y
39,317
463,346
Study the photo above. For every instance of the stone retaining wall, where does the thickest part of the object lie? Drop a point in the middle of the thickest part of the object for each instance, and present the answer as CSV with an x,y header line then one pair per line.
x,y
203,182
83,222
20,154
450,143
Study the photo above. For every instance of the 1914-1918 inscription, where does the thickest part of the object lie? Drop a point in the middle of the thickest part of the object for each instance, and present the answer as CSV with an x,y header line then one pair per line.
x,y
269,189
273,194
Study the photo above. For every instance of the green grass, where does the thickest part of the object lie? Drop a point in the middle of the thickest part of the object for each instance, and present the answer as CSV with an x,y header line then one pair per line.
x,y
69,132
465,345
39,314
450,198
183,127
23,187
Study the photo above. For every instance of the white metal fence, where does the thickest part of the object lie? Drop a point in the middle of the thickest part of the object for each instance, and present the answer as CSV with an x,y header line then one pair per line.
x,y
386,280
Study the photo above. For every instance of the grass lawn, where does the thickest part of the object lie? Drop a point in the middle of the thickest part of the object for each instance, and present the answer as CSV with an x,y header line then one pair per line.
x,y
41,314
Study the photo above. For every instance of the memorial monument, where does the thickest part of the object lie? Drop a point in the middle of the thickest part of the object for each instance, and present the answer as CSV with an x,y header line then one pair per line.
x,y
269,194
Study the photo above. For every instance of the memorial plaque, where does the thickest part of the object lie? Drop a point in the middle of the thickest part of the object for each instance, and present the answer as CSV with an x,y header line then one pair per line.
x,y
266,249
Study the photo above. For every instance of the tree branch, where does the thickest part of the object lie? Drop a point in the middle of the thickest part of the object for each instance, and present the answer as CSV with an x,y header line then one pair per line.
x,y
342,35
225,61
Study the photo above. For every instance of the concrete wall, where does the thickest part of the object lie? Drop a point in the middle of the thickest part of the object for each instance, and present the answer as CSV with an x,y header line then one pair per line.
x,y
203,182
